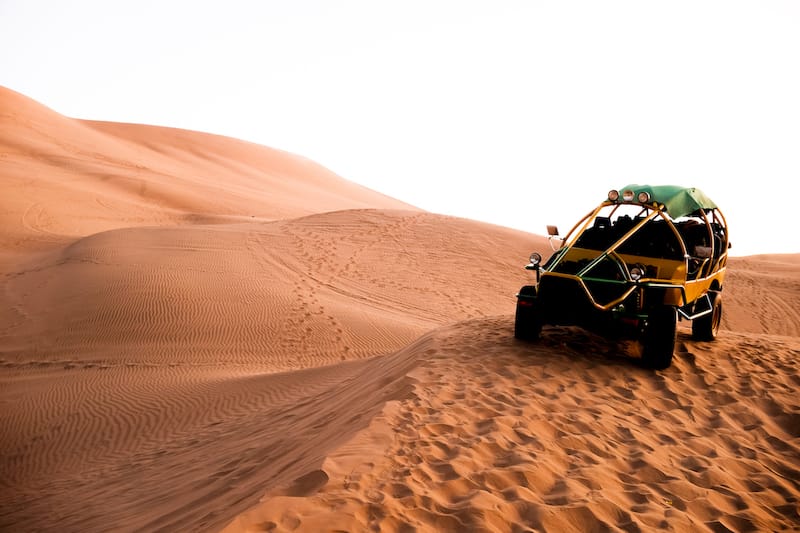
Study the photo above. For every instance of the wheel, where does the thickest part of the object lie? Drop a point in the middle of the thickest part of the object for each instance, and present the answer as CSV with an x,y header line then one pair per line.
x,y
528,321
706,327
658,342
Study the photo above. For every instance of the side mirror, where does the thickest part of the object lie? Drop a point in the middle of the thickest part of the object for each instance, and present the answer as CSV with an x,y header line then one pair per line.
x,y
552,235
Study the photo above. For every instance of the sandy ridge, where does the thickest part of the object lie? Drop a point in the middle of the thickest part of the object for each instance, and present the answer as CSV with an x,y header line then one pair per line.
x,y
66,178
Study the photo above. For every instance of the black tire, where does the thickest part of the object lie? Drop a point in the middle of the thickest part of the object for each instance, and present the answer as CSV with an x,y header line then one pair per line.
x,y
658,343
527,321
706,327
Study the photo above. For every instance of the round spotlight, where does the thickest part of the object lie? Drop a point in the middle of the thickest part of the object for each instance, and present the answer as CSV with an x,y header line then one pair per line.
x,y
627,196
613,195
637,272
536,258
643,197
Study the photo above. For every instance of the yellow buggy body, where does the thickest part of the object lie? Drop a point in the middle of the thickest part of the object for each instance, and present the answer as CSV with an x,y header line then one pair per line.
x,y
645,258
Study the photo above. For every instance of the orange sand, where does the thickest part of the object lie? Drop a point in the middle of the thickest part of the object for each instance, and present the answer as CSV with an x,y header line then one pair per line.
x,y
203,334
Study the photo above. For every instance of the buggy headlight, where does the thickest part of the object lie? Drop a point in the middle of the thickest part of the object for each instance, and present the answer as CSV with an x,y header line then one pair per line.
x,y
613,195
627,196
643,197
536,258
637,272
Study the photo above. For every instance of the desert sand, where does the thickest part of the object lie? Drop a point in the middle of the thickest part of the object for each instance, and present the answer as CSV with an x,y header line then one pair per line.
x,y
198,333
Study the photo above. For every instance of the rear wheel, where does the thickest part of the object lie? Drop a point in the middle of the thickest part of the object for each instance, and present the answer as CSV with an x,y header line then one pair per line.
x,y
658,342
706,327
528,321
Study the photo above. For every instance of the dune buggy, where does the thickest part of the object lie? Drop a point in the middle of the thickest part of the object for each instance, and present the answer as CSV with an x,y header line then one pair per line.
x,y
644,259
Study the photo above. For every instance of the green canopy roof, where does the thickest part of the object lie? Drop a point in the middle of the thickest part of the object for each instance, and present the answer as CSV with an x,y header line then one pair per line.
x,y
678,201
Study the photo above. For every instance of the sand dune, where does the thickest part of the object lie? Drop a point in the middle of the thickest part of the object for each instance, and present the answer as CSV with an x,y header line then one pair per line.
x,y
65,178
500,435
763,292
307,291
202,334
132,352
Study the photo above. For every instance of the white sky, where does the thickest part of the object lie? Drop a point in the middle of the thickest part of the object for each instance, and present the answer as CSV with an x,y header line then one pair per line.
x,y
519,113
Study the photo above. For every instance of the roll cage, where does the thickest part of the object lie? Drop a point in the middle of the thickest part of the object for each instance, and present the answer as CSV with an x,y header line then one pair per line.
x,y
635,243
